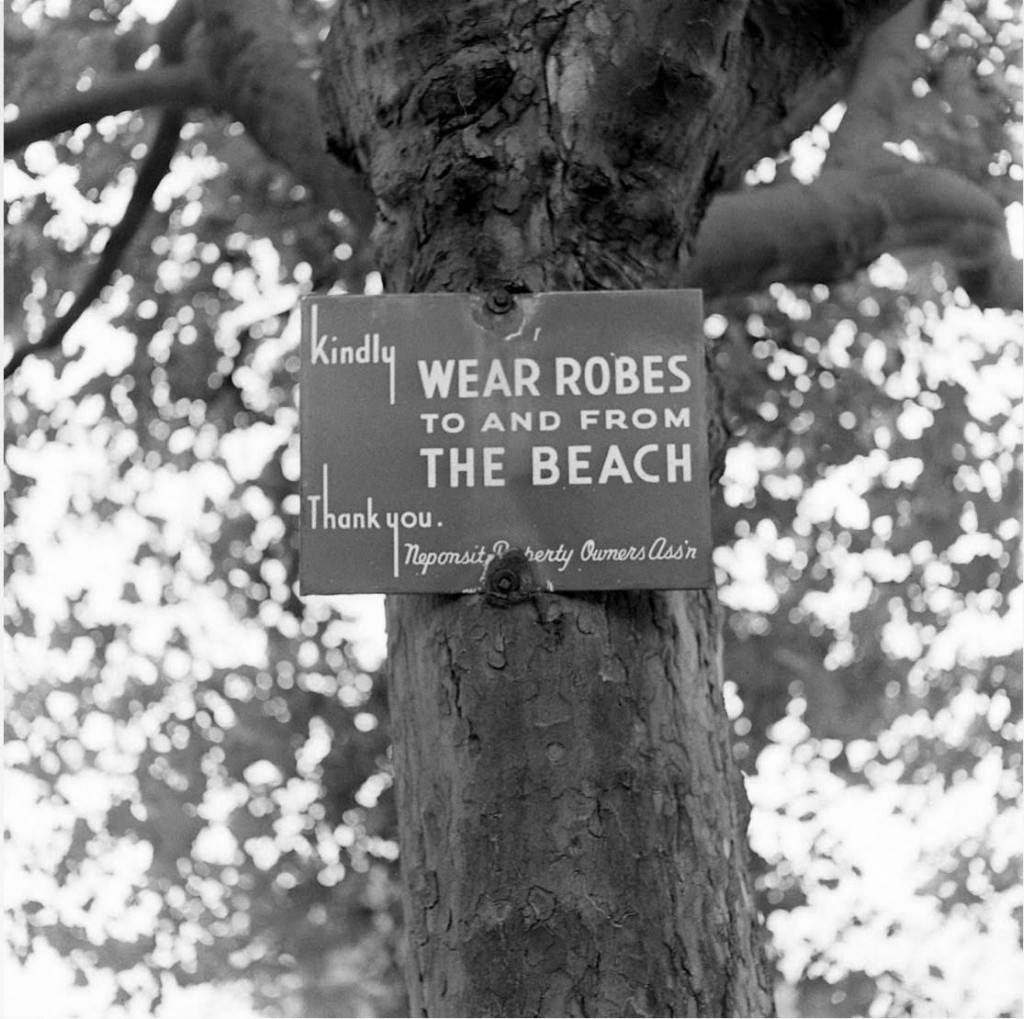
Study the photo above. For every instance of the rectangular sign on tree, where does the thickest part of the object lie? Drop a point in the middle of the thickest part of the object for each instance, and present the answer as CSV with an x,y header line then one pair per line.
x,y
441,432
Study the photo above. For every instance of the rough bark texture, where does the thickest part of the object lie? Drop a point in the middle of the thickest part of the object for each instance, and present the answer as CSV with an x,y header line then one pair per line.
x,y
572,825
572,834
567,145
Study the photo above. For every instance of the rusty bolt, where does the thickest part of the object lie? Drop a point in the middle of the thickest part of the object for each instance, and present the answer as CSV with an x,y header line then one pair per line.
x,y
500,301
509,579
505,581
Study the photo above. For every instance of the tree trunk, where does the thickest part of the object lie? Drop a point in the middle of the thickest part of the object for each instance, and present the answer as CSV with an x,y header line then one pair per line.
x,y
572,824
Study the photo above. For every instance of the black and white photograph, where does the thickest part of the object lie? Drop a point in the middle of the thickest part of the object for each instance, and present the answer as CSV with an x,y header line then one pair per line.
x,y
513,508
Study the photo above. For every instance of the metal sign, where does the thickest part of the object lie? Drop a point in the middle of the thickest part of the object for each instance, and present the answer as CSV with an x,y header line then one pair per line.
x,y
444,432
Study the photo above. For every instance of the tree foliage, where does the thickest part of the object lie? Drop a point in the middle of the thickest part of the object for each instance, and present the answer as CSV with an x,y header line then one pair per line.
x,y
198,760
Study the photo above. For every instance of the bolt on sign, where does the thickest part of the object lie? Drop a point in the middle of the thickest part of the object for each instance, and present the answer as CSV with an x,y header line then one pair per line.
x,y
442,433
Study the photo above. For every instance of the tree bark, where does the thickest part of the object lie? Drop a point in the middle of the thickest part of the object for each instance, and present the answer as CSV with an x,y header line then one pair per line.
x,y
571,821
572,829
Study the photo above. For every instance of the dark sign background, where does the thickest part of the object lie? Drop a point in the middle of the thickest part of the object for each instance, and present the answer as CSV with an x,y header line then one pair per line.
x,y
371,523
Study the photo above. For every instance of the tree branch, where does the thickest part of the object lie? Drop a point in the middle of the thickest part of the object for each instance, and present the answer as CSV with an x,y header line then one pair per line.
x,y
866,201
802,55
776,138
826,231
177,86
173,30
260,78
153,170
887,65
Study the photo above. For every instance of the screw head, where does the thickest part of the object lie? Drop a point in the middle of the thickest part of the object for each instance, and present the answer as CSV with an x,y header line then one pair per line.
x,y
509,579
505,581
500,301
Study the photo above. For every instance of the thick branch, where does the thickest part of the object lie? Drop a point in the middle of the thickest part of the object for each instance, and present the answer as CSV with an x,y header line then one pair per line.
x,y
888,63
810,107
800,57
176,87
828,230
261,80
866,201
153,170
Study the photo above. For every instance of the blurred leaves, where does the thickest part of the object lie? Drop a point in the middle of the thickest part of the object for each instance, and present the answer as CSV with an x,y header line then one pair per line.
x,y
868,556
